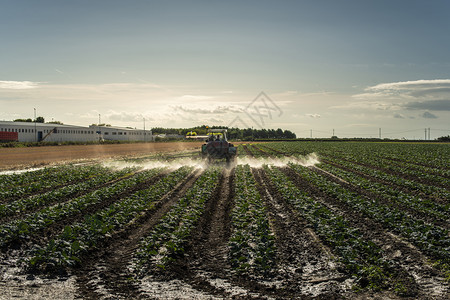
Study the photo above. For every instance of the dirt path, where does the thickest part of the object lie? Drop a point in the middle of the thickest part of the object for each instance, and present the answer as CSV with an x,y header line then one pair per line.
x,y
16,158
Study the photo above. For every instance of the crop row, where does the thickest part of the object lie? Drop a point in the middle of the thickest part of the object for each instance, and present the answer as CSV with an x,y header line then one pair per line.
x,y
61,194
360,257
432,240
167,240
66,249
424,179
252,247
27,177
245,149
20,229
399,169
432,156
392,194
33,182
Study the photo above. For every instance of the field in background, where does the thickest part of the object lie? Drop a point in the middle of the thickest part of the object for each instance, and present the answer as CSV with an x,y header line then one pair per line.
x,y
289,220
39,156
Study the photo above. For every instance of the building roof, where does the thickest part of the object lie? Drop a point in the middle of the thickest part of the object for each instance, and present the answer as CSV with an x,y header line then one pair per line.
x,y
40,124
31,124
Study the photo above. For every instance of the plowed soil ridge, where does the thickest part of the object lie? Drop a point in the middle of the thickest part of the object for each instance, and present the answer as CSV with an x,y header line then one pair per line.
x,y
106,269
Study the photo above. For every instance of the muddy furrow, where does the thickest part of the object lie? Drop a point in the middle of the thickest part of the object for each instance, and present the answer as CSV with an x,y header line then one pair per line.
x,y
105,270
428,281
206,254
304,265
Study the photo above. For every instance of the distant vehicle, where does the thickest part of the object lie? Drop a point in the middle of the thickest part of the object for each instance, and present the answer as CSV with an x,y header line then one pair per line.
x,y
217,147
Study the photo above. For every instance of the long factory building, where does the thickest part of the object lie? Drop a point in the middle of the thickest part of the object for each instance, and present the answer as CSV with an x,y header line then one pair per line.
x,y
37,132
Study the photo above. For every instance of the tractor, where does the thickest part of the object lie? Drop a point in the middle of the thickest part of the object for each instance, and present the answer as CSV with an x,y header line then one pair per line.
x,y
217,147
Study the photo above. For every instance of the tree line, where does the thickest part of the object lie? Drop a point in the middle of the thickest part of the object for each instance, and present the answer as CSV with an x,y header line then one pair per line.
x,y
232,133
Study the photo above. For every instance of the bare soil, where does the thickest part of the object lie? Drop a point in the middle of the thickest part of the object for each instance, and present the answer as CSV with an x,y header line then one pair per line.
x,y
16,158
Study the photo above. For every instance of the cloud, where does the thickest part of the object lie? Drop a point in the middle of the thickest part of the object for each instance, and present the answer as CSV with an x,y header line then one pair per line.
x,y
216,110
18,85
408,89
437,105
412,95
428,115
399,116
313,115
411,85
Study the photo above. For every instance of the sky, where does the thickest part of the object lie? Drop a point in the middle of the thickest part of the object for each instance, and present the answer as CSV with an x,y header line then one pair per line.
x,y
313,67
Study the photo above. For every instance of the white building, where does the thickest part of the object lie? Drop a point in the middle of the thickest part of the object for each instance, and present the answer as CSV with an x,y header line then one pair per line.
x,y
32,132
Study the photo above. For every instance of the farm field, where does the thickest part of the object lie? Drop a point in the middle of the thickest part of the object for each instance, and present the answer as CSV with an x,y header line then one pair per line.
x,y
301,220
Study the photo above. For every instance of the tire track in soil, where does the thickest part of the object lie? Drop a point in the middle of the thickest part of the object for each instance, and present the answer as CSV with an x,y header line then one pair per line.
x,y
418,274
304,265
205,266
206,257
107,269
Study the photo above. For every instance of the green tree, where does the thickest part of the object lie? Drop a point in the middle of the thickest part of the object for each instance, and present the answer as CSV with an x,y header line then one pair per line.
x,y
40,120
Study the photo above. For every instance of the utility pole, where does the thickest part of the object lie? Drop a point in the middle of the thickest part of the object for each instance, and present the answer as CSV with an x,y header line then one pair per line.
x,y
429,134
311,133
425,134
333,131
144,129
35,132
379,133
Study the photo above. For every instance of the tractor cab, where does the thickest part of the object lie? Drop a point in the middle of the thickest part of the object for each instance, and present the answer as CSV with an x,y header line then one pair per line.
x,y
217,146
